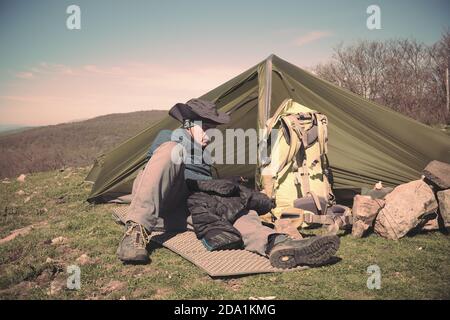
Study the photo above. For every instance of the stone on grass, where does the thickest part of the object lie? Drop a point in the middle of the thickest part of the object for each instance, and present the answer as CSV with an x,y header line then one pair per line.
x,y
20,193
405,208
57,285
59,240
439,173
49,260
19,232
262,298
84,259
21,178
444,206
113,285
365,210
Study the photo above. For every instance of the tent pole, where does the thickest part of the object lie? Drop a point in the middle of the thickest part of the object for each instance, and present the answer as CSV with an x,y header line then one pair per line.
x,y
264,90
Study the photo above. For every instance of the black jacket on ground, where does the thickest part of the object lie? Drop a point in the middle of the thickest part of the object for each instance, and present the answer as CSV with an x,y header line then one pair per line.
x,y
216,204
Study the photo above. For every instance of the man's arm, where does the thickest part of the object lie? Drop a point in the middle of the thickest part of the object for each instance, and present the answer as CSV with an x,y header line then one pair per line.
x,y
162,137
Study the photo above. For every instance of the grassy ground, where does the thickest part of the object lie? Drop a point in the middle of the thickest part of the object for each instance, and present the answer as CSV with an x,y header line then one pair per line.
x,y
31,267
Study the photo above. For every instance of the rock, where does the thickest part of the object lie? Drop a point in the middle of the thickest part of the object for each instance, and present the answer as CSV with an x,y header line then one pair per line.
x,y
59,240
365,210
444,206
84,259
21,178
16,233
49,260
57,285
431,225
22,231
60,200
405,207
20,291
113,285
379,193
44,278
20,193
27,199
439,173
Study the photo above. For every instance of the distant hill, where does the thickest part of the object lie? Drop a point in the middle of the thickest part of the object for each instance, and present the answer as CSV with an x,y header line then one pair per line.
x,y
10,129
69,144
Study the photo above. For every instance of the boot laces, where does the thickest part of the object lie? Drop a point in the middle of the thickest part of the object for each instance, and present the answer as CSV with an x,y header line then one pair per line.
x,y
142,237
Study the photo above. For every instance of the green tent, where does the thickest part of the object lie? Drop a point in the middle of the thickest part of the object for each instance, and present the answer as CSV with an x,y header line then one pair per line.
x,y
367,142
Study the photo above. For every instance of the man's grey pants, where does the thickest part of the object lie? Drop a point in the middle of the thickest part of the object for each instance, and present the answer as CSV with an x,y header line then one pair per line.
x,y
159,201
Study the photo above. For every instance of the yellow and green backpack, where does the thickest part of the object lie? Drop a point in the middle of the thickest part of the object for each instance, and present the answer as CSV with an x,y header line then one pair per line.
x,y
296,165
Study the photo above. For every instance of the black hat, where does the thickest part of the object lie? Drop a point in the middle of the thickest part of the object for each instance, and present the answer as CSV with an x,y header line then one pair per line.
x,y
197,109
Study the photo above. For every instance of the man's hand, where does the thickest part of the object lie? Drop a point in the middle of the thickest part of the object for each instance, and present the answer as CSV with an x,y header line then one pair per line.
x,y
261,203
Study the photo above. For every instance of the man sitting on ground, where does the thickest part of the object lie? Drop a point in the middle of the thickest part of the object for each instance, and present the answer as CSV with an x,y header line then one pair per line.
x,y
160,193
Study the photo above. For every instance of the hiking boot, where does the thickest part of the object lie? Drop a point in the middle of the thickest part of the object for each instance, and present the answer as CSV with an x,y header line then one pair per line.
x,y
285,252
132,247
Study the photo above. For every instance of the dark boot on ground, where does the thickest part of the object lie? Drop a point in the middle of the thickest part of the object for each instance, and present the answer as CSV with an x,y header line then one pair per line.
x,y
285,252
132,247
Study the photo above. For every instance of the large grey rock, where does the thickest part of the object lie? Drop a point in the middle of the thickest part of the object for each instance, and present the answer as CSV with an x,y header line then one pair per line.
x,y
365,210
444,206
405,207
439,173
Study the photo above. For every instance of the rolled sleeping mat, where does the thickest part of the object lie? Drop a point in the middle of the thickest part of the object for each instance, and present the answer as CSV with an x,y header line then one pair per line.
x,y
308,204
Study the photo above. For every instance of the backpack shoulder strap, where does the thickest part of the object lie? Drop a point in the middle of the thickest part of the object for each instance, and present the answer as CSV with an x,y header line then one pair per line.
x,y
322,131
300,165
274,119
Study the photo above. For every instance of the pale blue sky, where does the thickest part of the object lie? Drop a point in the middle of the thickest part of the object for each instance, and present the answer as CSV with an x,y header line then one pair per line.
x,y
232,35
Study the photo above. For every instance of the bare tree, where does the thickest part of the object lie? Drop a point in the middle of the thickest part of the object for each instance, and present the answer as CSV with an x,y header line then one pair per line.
x,y
405,75
440,54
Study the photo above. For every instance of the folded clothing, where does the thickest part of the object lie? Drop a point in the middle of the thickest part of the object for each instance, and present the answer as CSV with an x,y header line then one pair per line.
x,y
216,204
